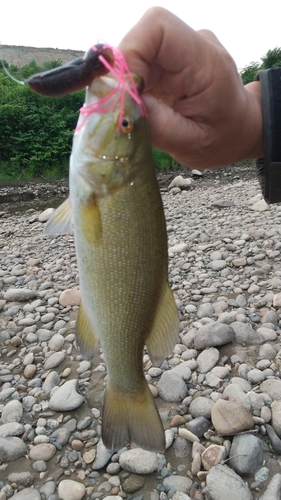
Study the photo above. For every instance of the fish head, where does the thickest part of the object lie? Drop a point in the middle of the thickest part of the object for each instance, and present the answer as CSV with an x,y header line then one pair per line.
x,y
111,138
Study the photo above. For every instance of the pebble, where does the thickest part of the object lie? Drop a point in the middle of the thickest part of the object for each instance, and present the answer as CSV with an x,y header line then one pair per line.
x,y
71,490
231,485
138,461
230,417
66,398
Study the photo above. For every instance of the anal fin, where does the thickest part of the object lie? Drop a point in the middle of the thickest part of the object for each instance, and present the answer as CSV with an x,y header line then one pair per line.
x,y
86,336
165,328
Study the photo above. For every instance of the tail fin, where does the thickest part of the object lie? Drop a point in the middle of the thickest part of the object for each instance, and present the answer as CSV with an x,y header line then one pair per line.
x,y
132,417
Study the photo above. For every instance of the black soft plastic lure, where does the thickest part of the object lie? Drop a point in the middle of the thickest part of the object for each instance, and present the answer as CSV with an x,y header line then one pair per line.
x,y
70,77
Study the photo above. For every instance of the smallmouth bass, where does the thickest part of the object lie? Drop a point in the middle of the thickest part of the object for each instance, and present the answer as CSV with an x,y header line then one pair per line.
x,y
117,214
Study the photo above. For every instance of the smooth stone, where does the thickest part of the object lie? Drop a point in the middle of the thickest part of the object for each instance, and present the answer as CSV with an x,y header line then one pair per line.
x,y
223,483
12,412
218,265
223,203
70,297
11,429
66,398
182,448
198,426
201,406
139,461
260,206
51,381
61,435
171,387
133,483
44,451
19,295
273,490
71,490
229,417
46,214
213,455
212,335
205,311
27,494
272,387
207,359
56,342
54,360
274,439
244,334
21,478
103,455
177,483
276,417
246,454
11,448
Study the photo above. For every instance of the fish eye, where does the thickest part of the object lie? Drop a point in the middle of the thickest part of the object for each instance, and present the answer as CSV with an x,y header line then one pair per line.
x,y
126,124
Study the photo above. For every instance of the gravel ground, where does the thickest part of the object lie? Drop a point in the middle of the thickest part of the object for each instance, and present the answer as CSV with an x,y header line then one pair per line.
x,y
218,394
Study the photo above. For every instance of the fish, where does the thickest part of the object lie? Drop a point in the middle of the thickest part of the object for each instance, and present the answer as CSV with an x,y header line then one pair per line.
x,y
116,212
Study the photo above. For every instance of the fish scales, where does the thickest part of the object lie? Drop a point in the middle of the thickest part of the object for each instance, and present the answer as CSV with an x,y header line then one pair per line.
x,y
121,247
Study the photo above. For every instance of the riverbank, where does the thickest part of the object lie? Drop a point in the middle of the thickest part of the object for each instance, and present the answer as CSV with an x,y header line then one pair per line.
x,y
218,393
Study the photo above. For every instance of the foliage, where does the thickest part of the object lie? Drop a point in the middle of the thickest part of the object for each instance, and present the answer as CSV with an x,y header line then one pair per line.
x,y
163,161
36,132
272,59
249,72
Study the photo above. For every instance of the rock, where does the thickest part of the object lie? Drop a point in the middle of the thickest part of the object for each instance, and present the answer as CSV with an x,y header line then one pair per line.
x,y
11,448
272,387
11,429
54,360
212,335
19,295
70,297
198,426
260,206
177,483
274,439
12,412
201,406
66,398
171,387
27,494
44,216
44,451
21,478
246,454
180,182
223,483
244,334
71,490
213,455
207,359
133,483
276,417
273,489
138,461
180,247
103,455
229,417
223,203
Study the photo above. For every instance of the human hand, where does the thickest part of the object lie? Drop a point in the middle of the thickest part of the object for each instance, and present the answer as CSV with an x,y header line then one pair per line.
x,y
198,109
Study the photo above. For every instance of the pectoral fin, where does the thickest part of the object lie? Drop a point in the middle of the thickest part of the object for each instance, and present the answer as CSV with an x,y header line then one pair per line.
x,y
86,336
165,329
60,221
91,222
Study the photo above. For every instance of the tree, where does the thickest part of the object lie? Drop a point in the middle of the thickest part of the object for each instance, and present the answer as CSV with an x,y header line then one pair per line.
x,y
272,59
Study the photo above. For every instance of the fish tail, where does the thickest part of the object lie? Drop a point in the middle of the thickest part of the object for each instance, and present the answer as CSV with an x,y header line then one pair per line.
x,y
132,417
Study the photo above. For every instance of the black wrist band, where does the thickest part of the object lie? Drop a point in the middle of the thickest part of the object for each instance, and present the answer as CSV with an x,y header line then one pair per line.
x,y
269,167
